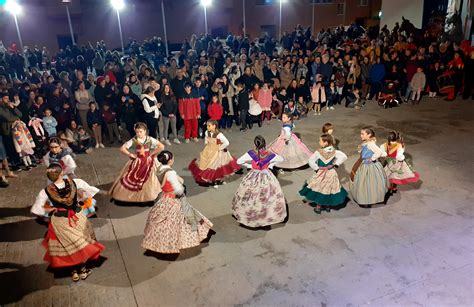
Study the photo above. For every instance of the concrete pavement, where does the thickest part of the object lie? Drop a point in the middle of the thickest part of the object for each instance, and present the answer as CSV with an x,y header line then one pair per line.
x,y
416,250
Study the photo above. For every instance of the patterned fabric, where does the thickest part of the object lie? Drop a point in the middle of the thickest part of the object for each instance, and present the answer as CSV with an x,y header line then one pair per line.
x,y
295,153
140,168
259,200
370,184
400,172
22,138
70,244
324,187
169,228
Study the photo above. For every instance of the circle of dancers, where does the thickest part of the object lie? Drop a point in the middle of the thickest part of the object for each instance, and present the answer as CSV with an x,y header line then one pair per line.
x,y
173,224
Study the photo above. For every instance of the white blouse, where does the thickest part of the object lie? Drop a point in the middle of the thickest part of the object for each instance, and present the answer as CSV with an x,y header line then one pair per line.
x,y
87,190
69,163
175,181
376,150
339,157
400,152
154,142
148,108
221,137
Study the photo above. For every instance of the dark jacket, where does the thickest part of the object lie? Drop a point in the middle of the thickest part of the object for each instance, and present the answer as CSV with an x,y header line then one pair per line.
x,y
243,100
7,117
93,118
169,105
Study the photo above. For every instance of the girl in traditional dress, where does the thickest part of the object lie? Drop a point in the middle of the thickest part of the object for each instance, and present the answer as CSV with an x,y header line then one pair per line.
x,y
137,182
215,162
70,240
398,171
259,200
24,143
324,188
173,224
370,183
62,156
295,154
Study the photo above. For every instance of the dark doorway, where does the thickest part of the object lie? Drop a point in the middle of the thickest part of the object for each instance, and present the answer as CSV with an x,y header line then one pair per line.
x,y
65,40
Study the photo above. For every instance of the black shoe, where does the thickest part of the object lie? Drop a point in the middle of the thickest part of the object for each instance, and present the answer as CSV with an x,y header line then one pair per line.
x,y
260,123
15,168
250,125
4,184
33,165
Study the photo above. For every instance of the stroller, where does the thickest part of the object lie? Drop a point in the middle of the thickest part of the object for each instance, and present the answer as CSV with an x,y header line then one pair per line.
x,y
254,114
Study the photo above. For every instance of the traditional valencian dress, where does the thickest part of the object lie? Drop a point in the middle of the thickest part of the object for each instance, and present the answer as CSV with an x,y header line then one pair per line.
x,y
324,187
173,224
137,181
295,154
85,194
70,239
64,158
215,162
370,182
398,171
259,200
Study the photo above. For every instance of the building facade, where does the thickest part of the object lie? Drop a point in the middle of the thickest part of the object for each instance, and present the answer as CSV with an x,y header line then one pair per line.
x,y
44,22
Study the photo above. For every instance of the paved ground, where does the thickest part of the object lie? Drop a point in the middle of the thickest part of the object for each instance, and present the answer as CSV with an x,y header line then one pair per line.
x,y
416,250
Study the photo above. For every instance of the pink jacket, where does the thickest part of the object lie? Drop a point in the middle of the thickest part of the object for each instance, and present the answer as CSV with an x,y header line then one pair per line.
x,y
264,99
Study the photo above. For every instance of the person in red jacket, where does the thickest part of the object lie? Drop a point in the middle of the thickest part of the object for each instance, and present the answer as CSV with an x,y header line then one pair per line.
x,y
190,112
215,109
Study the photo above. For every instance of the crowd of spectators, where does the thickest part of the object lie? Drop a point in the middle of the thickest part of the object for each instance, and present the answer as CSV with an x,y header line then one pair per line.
x,y
85,94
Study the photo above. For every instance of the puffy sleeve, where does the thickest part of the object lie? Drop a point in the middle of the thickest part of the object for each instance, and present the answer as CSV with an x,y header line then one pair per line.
x,y
69,164
383,147
376,150
313,161
287,133
128,144
89,190
224,141
340,158
401,154
277,159
38,205
146,106
245,160
173,178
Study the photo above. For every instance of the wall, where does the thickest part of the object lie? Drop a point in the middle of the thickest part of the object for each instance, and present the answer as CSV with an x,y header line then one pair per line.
x,y
394,10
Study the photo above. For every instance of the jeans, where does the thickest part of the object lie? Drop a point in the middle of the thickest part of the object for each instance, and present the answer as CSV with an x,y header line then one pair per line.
x,y
164,129
226,121
112,128
243,118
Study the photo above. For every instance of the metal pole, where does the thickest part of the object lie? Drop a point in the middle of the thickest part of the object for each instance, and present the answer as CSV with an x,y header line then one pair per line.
x,y
19,34
245,22
164,27
120,31
70,25
279,30
205,18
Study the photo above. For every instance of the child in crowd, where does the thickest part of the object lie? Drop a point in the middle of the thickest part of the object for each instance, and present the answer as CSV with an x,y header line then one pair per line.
x,y
49,123
295,154
24,144
369,181
291,109
59,155
215,162
398,171
94,121
190,111
432,79
264,99
324,188
332,95
215,109
259,200
173,224
110,119
318,97
254,113
137,183
417,84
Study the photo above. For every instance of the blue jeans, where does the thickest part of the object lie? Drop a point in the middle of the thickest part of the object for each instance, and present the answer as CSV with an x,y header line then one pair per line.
x,y
226,121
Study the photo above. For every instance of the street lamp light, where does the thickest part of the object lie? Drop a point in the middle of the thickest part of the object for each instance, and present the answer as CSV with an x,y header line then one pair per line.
x,y
66,2
119,5
279,30
15,9
205,4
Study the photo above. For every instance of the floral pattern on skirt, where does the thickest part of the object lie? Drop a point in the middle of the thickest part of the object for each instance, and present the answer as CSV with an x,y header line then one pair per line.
x,y
400,172
259,200
167,231
295,153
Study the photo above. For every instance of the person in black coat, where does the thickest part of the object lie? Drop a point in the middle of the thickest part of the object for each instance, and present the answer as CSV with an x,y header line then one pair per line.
x,y
131,107
243,104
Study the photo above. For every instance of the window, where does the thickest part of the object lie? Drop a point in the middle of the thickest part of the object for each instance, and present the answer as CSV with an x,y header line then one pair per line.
x,y
340,9
363,2
320,1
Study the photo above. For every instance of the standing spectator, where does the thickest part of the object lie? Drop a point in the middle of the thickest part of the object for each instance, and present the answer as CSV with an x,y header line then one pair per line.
x,y
131,108
94,121
215,109
151,110
49,123
109,117
83,99
243,104
418,83
169,113
190,112
201,91
432,79
376,75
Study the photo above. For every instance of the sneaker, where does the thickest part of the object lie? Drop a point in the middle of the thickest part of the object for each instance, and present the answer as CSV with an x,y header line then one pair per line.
x,y
327,108
162,140
281,171
85,273
3,183
75,277
223,182
167,142
216,186
97,145
176,141
89,150
195,140
101,145
186,141
332,108
319,113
